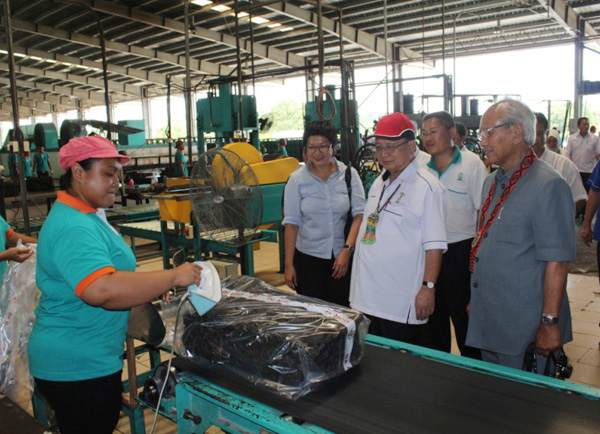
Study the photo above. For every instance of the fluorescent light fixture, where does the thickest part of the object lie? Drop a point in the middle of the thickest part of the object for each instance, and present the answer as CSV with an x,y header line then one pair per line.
x,y
19,55
220,8
3,52
272,26
259,20
201,2
50,60
81,66
240,14
286,29
35,58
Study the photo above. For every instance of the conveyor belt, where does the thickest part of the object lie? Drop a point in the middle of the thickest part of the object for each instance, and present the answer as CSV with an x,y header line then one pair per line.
x,y
399,392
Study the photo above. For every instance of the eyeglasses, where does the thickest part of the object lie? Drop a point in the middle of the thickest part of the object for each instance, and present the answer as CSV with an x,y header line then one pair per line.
x,y
389,148
321,148
484,133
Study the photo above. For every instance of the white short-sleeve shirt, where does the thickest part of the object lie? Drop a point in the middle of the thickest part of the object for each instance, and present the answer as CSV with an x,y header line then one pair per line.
x,y
387,275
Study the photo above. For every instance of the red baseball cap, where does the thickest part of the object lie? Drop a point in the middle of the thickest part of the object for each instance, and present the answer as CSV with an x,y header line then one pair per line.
x,y
82,148
394,126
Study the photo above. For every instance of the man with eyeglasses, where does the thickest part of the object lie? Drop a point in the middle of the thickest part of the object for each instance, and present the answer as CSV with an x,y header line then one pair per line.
x,y
462,173
563,165
401,239
524,243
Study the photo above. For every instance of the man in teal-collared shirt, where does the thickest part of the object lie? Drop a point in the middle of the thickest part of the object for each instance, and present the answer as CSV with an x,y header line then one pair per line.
x,y
462,173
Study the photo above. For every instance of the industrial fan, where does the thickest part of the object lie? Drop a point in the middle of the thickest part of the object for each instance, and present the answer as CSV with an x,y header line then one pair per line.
x,y
226,198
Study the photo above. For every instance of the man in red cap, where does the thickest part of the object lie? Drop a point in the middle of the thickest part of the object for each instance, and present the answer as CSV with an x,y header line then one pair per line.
x,y
401,241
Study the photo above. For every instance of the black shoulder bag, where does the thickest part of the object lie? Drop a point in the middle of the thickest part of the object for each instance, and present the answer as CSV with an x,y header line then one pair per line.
x,y
349,217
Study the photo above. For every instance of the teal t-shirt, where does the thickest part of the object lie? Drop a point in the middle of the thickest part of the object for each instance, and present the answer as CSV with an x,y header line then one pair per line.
x,y
27,163
180,157
4,232
41,162
71,340
12,163
283,151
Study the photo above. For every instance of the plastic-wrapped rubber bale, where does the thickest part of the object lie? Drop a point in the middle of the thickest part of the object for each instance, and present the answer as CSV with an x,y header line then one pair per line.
x,y
277,340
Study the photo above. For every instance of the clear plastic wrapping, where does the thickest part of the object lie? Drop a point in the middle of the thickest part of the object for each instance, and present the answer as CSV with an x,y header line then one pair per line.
x,y
277,340
18,298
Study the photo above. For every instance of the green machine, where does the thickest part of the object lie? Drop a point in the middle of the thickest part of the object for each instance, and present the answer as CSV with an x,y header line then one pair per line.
x,y
132,139
222,114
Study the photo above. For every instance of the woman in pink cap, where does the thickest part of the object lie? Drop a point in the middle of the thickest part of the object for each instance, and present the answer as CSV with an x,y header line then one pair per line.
x,y
86,274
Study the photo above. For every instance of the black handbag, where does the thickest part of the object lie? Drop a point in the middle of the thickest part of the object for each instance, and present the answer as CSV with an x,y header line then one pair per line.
x,y
562,368
349,217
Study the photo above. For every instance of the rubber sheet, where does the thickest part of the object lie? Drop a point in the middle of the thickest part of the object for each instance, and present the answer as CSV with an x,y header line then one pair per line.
x,y
395,391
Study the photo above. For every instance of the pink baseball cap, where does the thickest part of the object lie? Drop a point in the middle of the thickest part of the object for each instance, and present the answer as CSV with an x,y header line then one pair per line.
x,y
82,148
394,126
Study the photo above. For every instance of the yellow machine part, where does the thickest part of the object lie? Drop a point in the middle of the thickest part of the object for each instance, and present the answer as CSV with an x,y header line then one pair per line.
x,y
267,172
173,210
176,182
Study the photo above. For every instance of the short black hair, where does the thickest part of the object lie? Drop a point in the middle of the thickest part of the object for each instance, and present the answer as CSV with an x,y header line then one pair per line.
x,y
461,129
67,177
320,128
580,120
542,119
444,117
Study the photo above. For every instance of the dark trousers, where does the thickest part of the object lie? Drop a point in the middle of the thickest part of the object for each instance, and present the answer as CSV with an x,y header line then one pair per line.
x,y
416,334
584,178
88,406
314,279
452,295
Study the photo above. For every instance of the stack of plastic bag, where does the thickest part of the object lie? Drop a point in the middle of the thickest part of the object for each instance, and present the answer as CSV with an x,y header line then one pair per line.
x,y
18,298
284,343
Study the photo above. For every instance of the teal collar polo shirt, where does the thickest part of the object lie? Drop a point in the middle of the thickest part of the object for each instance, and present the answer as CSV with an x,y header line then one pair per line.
x,y
5,233
72,340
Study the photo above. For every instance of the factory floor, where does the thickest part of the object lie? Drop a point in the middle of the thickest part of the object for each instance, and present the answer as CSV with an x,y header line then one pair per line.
x,y
583,352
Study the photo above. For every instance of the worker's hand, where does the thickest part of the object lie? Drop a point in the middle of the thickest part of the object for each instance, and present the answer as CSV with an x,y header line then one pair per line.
x,y
547,339
187,274
468,308
18,254
290,276
425,302
341,264
587,235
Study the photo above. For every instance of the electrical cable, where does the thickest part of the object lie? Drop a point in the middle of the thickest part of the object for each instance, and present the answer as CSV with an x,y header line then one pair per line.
x,y
322,93
164,386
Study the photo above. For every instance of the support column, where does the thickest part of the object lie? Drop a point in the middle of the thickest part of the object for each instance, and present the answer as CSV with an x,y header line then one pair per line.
x,y
578,98
146,113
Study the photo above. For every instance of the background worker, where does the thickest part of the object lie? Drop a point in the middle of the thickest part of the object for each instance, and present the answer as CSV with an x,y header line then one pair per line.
x,y
462,173
76,345
563,165
180,161
552,141
282,149
318,254
41,162
13,169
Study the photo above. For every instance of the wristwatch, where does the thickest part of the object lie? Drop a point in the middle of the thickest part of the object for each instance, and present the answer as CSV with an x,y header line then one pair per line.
x,y
549,319
430,285
349,248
